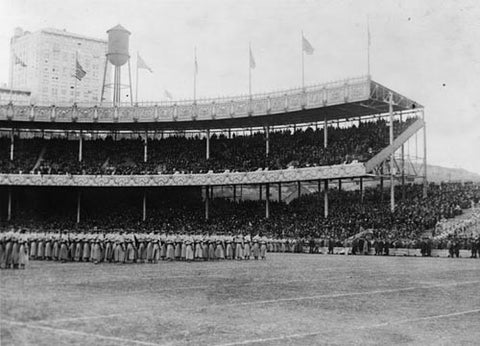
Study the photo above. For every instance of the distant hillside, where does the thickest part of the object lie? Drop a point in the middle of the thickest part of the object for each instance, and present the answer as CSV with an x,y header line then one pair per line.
x,y
438,174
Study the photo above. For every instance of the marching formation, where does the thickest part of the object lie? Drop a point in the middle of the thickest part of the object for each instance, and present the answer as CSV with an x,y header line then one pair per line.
x,y
17,247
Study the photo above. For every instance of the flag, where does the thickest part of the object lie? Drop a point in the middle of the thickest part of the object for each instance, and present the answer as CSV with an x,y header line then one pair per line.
x,y
369,36
306,46
18,61
168,95
141,64
252,60
196,63
79,71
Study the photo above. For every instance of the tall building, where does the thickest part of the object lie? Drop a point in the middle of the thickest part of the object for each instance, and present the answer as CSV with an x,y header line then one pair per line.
x,y
44,63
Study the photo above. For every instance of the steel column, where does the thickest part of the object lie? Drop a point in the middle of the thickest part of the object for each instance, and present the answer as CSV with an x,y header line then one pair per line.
x,y
79,201
267,201
12,140
325,199
9,205
392,181
425,182
80,147
325,132
208,145
144,206
267,141
207,199
145,147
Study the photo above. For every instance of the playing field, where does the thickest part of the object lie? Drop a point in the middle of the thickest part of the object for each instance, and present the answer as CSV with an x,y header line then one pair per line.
x,y
290,299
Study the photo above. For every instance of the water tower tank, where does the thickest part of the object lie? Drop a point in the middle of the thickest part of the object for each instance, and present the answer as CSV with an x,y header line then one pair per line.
x,y
118,38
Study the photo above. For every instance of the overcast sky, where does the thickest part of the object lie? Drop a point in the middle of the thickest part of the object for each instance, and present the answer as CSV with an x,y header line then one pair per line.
x,y
428,51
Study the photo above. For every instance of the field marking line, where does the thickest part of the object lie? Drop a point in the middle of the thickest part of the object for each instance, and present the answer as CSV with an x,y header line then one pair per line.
x,y
419,319
92,317
75,332
325,296
304,335
338,295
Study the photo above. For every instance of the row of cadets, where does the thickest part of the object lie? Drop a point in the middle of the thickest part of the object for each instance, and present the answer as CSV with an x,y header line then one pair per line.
x,y
13,250
122,247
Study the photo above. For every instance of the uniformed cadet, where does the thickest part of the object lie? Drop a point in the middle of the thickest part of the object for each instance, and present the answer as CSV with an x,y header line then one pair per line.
x,y
247,239
263,247
239,244
256,246
188,244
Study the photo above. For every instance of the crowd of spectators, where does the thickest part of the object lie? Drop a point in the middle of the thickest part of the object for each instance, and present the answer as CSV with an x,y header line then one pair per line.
x,y
182,209
183,154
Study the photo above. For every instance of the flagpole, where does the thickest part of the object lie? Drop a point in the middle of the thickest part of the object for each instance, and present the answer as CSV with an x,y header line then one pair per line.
x,y
136,87
12,66
75,75
368,46
249,70
303,65
195,76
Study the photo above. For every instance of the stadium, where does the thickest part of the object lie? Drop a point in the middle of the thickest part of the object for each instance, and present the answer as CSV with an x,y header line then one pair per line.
x,y
301,216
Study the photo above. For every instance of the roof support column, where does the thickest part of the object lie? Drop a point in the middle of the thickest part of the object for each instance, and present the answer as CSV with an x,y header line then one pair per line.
x,y
80,147
279,192
208,145
425,182
144,206
267,201
234,193
79,205
207,200
299,189
12,141
9,205
392,163
402,151
325,132
361,190
267,141
325,199
145,147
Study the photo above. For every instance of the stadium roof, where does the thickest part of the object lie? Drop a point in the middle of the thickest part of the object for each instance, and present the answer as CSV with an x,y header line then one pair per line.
x,y
334,101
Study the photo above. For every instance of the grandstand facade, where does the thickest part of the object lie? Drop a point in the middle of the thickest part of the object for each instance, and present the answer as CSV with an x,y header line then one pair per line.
x,y
353,130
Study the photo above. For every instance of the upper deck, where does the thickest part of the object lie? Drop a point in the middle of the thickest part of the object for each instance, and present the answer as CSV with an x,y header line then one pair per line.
x,y
331,101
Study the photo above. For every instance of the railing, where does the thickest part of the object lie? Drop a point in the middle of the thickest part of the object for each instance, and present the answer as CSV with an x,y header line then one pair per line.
x,y
180,179
322,95
387,151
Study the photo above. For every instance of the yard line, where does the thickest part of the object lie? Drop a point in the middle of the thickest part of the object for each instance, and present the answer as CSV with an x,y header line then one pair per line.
x,y
419,319
304,335
337,295
325,296
92,317
75,332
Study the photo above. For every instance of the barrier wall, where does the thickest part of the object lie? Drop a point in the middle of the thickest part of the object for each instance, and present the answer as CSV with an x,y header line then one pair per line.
x,y
353,90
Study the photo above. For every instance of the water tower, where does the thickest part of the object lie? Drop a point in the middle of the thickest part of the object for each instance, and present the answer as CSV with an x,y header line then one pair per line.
x,y
117,55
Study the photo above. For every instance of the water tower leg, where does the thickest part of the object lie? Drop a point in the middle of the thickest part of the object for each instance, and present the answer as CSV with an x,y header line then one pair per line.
x,y
104,77
130,82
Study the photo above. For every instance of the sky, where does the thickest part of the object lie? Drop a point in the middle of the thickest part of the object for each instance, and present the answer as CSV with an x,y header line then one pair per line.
x,y
428,51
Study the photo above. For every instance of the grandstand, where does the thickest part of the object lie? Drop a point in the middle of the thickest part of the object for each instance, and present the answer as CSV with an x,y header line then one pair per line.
x,y
350,131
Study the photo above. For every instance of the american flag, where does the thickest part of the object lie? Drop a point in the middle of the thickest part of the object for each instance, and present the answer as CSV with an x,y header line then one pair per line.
x,y
168,95
79,71
19,61
252,60
306,46
196,63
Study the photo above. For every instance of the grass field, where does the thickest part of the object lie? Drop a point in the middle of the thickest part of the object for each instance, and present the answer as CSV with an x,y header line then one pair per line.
x,y
290,299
